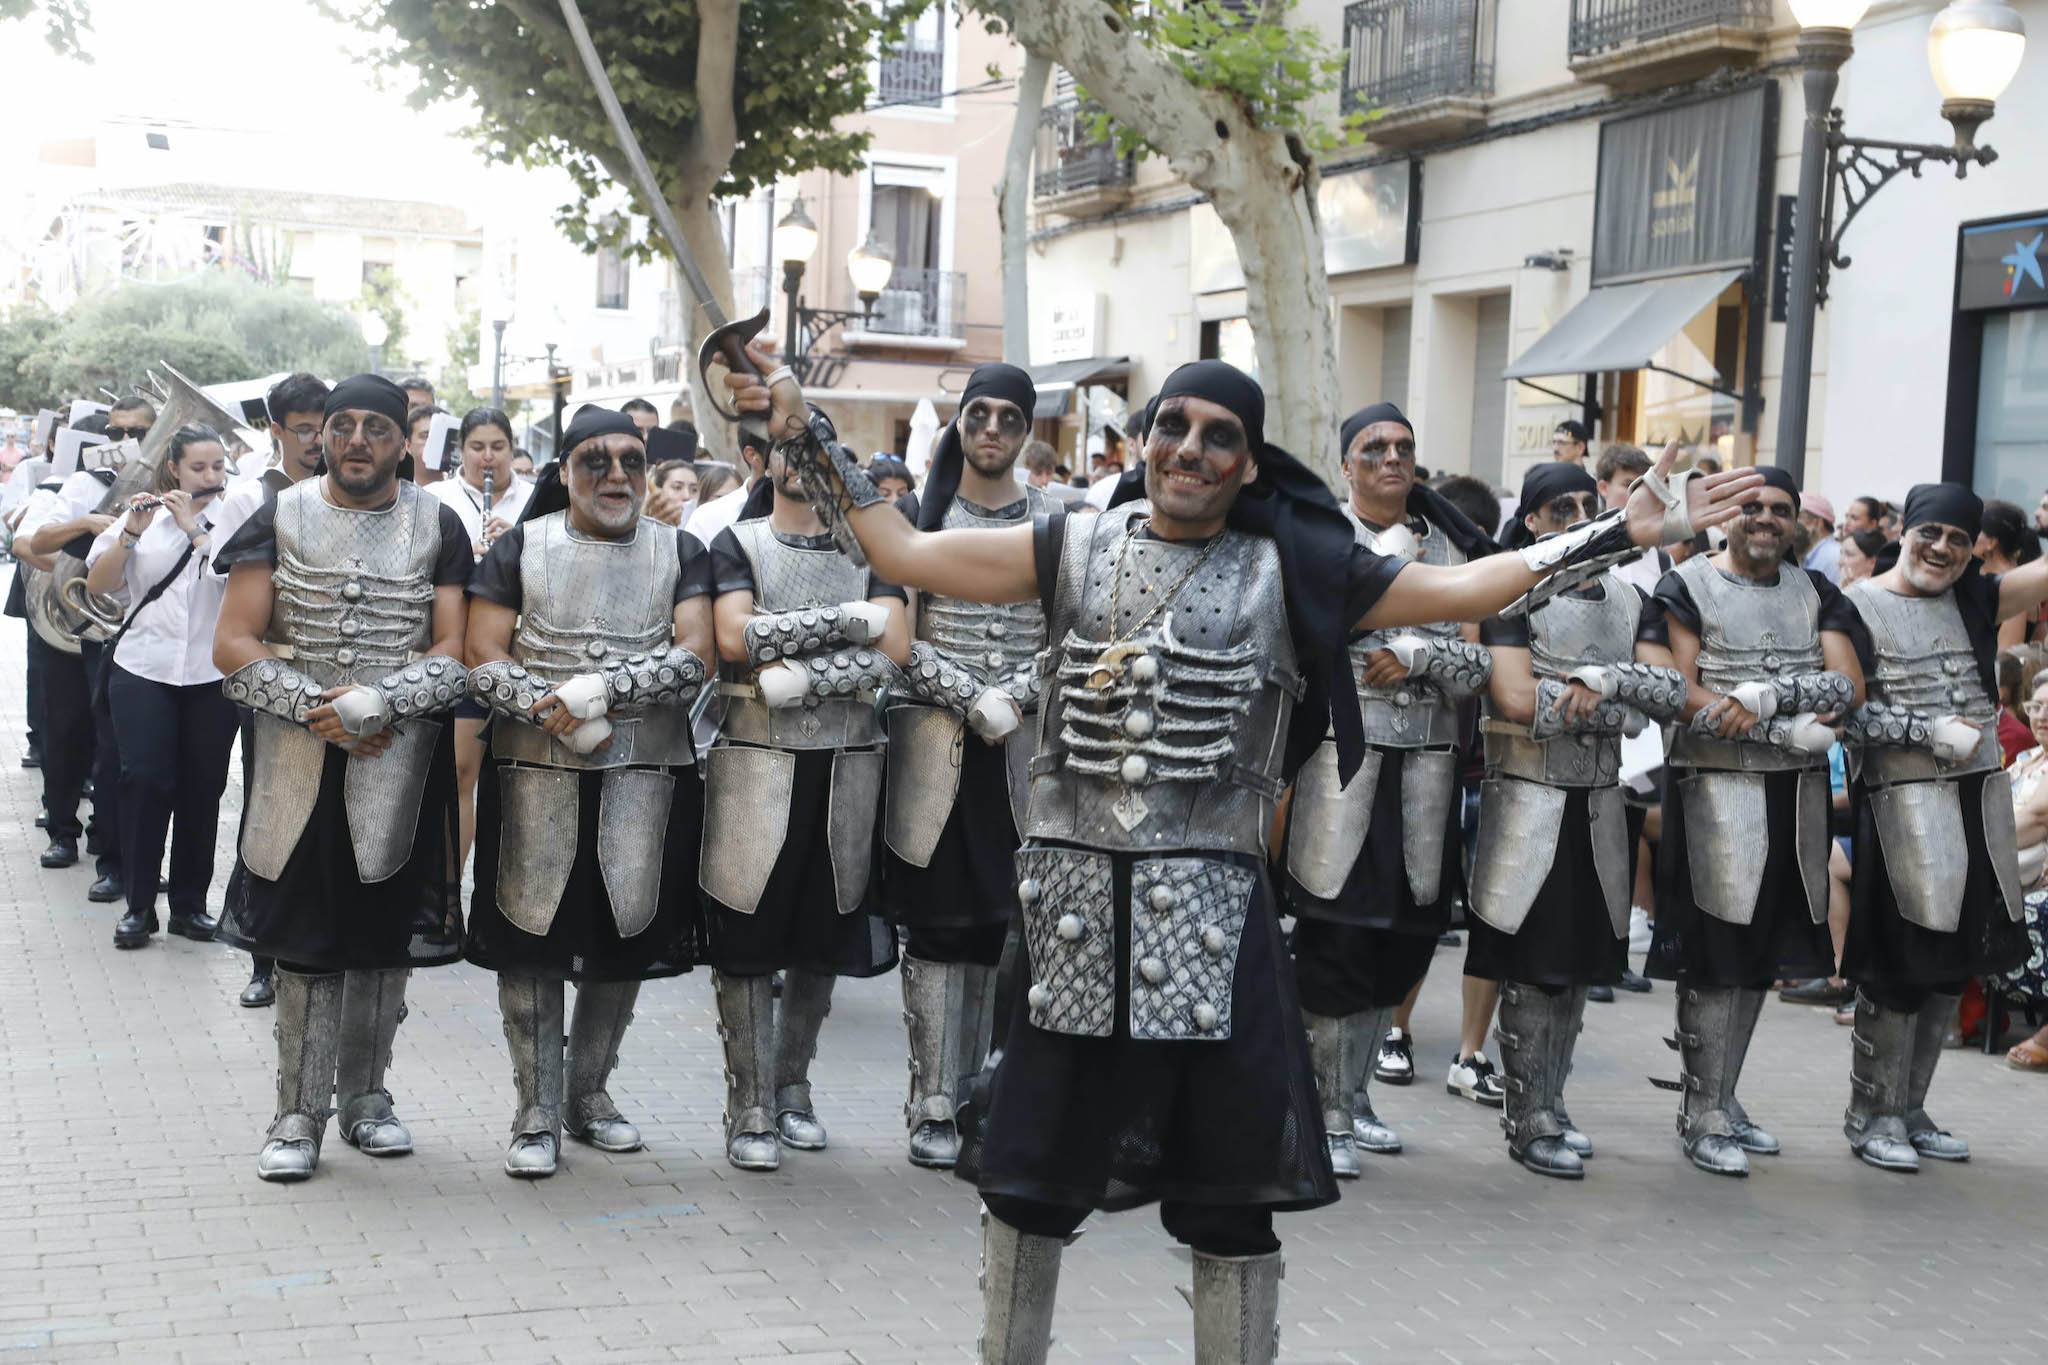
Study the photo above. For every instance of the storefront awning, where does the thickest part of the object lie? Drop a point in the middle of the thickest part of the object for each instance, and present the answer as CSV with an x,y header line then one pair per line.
x,y
1621,326
1056,382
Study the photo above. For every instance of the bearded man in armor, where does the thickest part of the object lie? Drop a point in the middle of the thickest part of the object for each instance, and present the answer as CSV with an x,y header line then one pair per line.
x,y
792,791
589,625
1742,877
1197,658
1374,864
959,744
1550,875
1936,887
341,628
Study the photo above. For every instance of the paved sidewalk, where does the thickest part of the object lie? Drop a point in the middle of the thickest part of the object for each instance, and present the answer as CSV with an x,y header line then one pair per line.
x,y
133,1225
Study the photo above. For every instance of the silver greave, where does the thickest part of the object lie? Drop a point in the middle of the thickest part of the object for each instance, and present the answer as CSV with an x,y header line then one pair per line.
x,y
1237,1309
308,1031
933,1007
603,1011
373,1004
977,1018
806,1000
1372,1135
1881,1058
746,1027
1340,1053
1930,1027
1567,1043
1535,1036
532,1010
1707,1031
1020,1276
1749,1003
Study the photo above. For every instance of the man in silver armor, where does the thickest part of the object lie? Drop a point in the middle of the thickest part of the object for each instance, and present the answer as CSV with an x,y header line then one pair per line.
x,y
1935,885
1373,864
1197,659
588,629
1550,876
341,629
1742,893
792,791
960,739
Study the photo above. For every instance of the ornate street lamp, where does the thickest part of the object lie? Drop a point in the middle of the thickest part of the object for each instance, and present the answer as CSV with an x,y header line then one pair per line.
x,y
869,265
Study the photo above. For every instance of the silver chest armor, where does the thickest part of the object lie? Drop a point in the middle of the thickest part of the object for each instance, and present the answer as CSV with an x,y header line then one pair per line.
x,y
355,600
1749,632
584,602
789,578
1567,632
1924,661
1405,715
925,742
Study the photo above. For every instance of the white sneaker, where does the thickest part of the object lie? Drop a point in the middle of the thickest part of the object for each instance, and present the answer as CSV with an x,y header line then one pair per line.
x,y
1638,929
1396,1065
1474,1078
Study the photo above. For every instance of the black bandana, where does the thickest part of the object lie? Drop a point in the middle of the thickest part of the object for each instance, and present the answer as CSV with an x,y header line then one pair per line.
x,y
592,421
367,393
942,480
1951,504
1365,417
1543,482
1779,477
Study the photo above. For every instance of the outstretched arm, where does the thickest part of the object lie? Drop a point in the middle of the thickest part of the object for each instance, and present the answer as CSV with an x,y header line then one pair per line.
x,y
2023,589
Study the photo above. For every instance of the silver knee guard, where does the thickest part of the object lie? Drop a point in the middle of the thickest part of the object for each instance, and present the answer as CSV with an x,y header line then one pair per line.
x,y
308,1030
532,1011
746,1028
1237,1309
372,1007
1020,1276
806,1000
603,1010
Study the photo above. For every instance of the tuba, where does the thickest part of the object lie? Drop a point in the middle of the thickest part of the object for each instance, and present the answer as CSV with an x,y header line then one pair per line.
x,y
60,609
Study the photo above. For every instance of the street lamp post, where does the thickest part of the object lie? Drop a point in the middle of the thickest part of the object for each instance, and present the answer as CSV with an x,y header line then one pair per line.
x,y
555,394
1974,48
869,265
498,325
376,332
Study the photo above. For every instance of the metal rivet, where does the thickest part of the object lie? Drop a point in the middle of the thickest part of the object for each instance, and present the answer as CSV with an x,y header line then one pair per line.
x,y
1038,997
1137,723
1144,668
1212,940
1152,969
1071,927
1206,1016
1135,768
1161,897
1028,891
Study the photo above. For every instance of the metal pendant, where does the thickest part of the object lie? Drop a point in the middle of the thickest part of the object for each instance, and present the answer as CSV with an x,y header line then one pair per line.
x,y
1109,666
1130,809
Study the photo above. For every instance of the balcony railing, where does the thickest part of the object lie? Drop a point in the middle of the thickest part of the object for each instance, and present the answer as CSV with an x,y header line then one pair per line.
x,y
912,75
1404,52
1604,25
918,303
1070,157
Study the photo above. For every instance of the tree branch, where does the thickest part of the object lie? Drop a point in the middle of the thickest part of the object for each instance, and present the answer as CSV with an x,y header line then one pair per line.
x,y
715,132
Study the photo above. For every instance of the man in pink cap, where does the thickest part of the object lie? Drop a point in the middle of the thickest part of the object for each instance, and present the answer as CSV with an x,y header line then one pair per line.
x,y
1817,515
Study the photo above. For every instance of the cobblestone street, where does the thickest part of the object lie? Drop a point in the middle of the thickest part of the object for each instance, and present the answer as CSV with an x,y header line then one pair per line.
x,y
133,1224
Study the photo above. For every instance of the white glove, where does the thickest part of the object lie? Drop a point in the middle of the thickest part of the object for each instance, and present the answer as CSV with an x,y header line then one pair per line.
x,y
862,622
784,684
1952,738
1633,722
1604,681
1760,698
994,715
589,735
1398,542
360,710
585,696
2033,861
1809,735
1406,648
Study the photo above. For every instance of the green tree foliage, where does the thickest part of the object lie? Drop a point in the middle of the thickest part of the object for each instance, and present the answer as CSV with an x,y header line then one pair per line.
x,y
24,335
386,297
64,22
464,348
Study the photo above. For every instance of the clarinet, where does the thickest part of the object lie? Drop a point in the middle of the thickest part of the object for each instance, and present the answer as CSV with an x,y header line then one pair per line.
x,y
487,509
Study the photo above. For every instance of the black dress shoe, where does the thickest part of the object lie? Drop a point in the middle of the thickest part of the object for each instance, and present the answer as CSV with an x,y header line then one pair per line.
x,y
1600,995
61,853
106,891
43,820
200,928
94,845
259,992
31,760
135,928
1632,981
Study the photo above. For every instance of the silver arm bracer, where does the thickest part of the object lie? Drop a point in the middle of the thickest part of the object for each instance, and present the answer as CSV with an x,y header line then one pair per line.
x,y
1821,693
1779,732
425,687
934,678
671,678
275,686
1656,691
1881,723
1456,667
1609,717
776,635
508,688
844,672
1571,558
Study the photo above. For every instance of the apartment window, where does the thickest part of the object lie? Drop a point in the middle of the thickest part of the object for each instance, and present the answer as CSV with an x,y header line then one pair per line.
x,y
1402,52
612,278
379,255
914,71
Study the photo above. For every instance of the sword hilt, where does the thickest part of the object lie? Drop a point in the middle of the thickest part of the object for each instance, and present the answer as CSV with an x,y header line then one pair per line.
x,y
728,344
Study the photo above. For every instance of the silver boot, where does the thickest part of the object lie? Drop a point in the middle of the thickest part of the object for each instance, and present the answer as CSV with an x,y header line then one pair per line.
x,y
532,1011
1567,1044
1930,1027
1367,1131
1020,1276
977,1018
1752,1139
746,1028
933,1003
806,1000
1532,1023
1237,1307
603,1010
1340,1052
1706,1031
308,1031
1880,1070
371,1009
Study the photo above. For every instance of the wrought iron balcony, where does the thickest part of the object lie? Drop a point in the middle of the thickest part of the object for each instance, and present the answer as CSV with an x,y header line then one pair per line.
x,y
912,75
1075,172
1426,64
917,303
1641,43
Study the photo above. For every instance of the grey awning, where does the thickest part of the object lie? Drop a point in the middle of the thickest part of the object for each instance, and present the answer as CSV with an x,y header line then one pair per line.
x,y
1620,326
1056,382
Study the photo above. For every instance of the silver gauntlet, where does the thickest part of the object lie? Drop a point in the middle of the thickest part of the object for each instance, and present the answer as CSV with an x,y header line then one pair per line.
x,y
789,634
1877,722
508,689
844,672
1610,717
939,680
671,678
1457,667
1570,558
1799,734
432,685
1821,693
275,686
1655,691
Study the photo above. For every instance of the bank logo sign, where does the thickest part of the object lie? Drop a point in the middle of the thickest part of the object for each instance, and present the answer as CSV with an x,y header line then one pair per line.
x,y
2000,264
1678,187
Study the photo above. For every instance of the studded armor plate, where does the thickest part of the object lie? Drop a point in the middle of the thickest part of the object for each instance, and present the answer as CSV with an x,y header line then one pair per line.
x,y
788,578
1187,919
1172,738
1067,899
1749,632
1566,633
1411,712
995,641
1924,663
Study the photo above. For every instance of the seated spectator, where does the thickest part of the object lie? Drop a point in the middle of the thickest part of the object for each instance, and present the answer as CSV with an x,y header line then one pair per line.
x,y
1858,558
2029,981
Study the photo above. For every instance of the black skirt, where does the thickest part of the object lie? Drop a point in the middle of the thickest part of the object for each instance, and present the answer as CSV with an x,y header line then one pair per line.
x,y
797,923
583,943
1884,948
1113,1123
1376,895
1567,939
320,914
971,878
1780,941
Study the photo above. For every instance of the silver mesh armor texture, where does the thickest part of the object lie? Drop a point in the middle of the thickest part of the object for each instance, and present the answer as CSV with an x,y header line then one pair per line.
x,y
1067,898
1412,712
1569,632
1187,918
1749,632
1518,826
996,641
790,578
1923,663
275,687
355,589
1171,738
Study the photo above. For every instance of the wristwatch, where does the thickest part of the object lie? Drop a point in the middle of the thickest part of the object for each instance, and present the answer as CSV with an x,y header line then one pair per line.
x,y
129,539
